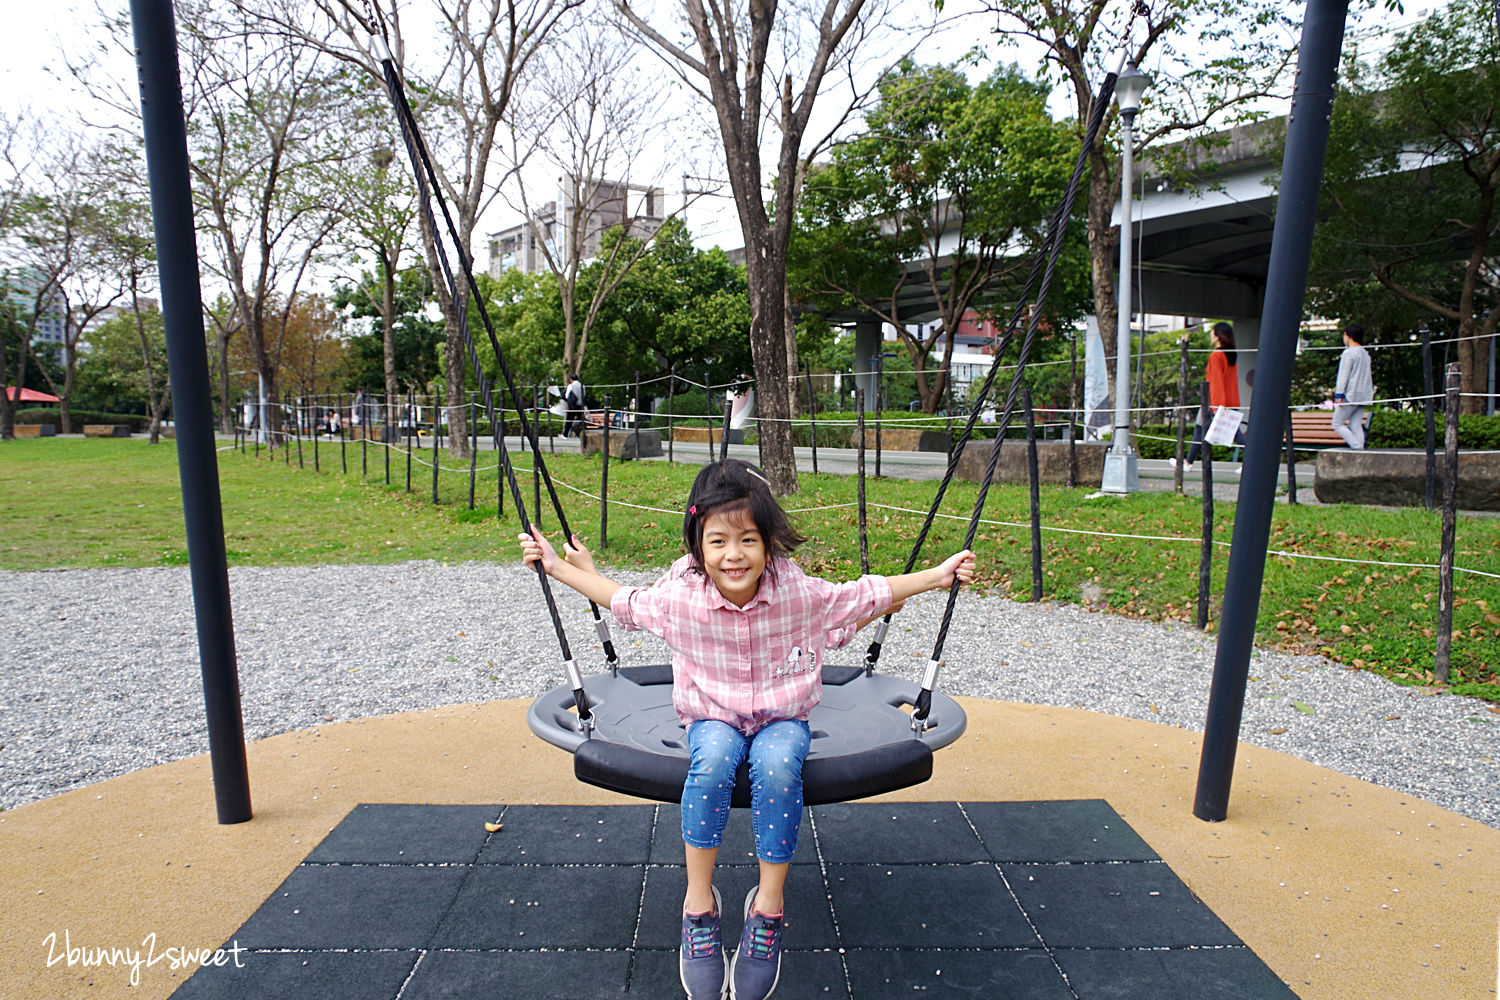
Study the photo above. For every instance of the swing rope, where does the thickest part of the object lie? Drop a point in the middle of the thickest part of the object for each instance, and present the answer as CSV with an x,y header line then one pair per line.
x,y
429,191
1052,248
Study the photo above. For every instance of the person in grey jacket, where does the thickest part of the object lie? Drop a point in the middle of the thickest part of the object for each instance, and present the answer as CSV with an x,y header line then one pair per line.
x,y
1354,390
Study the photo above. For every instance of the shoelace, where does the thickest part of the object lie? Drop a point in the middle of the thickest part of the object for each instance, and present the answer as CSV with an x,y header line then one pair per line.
x,y
763,936
701,941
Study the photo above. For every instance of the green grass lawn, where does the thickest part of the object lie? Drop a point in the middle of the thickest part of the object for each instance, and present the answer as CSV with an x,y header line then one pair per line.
x,y
93,503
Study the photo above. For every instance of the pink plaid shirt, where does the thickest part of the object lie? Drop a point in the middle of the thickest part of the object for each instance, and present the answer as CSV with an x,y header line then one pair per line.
x,y
755,665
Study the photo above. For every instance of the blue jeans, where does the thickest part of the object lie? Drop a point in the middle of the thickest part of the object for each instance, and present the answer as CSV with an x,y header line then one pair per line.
x,y
776,754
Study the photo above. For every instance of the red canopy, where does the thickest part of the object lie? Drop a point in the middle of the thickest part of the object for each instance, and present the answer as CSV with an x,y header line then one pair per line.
x,y
31,396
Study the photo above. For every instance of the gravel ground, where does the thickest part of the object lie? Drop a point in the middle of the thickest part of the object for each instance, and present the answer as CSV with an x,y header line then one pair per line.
x,y
100,676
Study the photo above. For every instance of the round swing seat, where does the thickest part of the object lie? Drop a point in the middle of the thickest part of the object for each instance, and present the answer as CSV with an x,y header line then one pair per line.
x,y
862,739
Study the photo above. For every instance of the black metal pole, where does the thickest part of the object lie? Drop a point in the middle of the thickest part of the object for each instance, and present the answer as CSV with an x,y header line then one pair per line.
x,y
315,435
635,412
473,414
1428,405
343,438
1286,286
155,35
411,426
437,443
1450,524
296,408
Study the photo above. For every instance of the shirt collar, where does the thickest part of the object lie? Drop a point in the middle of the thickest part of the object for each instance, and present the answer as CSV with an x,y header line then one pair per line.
x,y
764,594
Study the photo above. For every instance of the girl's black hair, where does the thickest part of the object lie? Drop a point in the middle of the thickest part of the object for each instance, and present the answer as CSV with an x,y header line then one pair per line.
x,y
1225,333
733,485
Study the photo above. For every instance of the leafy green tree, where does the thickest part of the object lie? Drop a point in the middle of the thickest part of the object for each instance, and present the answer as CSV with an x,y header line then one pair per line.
x,y
125,367
1210,61
410,346
527,314
949,190
1412,175
678,310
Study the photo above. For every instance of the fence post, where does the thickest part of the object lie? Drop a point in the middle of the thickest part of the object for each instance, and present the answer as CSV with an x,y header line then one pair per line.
x,y
437,441
1428,405
411,426
604,480
1206,556
1450,518
671,413
343,438
1291,463
636,413
879,401
313,426
708,406
1182,369
724,439
1036,497
812,416
859,481
1073,421
473,448
536,459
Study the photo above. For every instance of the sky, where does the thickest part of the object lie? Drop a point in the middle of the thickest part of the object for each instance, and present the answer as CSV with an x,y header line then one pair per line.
x,y
31,73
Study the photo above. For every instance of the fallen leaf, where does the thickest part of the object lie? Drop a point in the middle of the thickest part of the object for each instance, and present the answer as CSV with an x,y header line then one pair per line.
x,y
1303,707
1277,731
494,827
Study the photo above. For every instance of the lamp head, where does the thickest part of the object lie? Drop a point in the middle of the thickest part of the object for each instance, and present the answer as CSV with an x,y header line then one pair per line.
x,y
1130,87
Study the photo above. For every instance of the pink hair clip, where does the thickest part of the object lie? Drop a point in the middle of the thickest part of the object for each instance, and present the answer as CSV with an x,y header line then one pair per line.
x,y
693,509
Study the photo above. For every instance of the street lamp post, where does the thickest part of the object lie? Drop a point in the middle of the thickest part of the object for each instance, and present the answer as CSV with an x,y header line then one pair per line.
x,y
1121,466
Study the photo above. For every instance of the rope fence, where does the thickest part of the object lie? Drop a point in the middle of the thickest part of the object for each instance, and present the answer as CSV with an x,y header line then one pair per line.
x,y
307,414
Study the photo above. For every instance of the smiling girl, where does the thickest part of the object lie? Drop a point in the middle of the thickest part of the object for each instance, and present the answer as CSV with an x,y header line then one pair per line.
x,y
748,630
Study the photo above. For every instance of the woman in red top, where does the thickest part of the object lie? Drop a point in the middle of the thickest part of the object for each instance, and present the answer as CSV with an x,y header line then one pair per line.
x,y
1223,378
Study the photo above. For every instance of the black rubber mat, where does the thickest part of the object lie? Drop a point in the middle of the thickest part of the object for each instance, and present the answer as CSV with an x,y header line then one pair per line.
x,y
1034,900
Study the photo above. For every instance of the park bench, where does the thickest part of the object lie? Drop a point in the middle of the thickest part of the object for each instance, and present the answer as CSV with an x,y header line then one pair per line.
x,y
106,430
1314,429
36,430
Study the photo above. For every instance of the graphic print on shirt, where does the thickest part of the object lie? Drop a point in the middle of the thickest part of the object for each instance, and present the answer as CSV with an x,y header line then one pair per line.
x,y
796,661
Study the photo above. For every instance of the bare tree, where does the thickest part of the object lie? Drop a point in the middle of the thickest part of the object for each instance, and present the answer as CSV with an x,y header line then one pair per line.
x,y
15,157
595,118
463,101
67,222
726,62
268,157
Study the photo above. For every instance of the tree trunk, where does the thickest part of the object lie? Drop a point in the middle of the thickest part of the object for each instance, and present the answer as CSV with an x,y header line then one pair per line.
x,y
1104,255
766,267
7,405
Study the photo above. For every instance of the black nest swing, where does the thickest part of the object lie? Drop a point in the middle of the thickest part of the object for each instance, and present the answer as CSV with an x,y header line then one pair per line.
x,y
863,742
872,733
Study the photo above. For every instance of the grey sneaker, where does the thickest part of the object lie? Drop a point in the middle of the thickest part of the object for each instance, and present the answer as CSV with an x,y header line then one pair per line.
x,y
757,961
701,963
